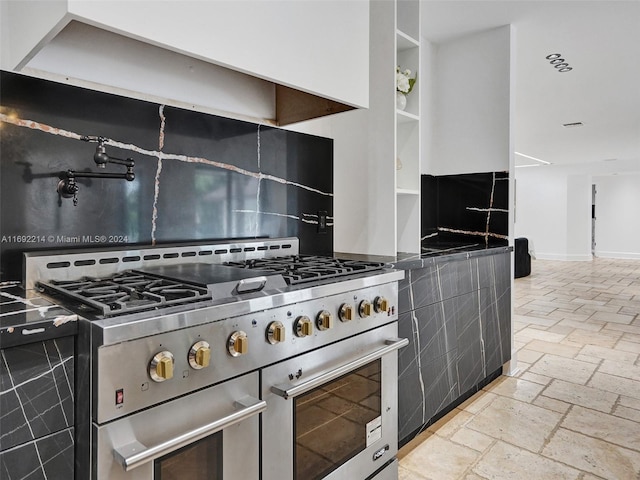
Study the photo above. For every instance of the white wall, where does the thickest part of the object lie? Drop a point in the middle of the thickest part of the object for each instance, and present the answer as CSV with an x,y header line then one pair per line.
x,y
541,211
364,166
428,98
617,217
553,210
354,178
472,104
363,156
578,217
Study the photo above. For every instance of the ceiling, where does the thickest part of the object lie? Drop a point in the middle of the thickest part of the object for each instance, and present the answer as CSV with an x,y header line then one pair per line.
x,y
600,40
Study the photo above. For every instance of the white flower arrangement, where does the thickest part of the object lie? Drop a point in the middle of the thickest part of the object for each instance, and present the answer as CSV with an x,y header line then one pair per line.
x,y
404,82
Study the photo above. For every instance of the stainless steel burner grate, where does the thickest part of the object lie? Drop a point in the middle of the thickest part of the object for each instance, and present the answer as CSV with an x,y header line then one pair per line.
x,y
126,292
306,268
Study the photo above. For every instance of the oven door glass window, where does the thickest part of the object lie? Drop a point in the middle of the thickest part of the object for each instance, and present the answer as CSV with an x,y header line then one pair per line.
x,y
201,460
332,422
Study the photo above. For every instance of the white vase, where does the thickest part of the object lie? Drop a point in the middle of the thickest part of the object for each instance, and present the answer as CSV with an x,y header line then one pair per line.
x,y
401,101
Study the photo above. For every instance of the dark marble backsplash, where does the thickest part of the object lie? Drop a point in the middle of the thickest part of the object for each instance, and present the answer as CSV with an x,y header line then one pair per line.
x,y
198,178
465,209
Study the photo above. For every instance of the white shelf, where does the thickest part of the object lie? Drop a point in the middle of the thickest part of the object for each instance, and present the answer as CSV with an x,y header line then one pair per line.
x,y
406,117
405,42
408,223
407,191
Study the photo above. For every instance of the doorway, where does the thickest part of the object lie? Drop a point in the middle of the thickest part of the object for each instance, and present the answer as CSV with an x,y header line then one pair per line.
x,y
593,220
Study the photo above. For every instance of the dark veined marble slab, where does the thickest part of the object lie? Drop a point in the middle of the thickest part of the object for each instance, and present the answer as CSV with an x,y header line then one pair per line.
x,y
37,391
36,386
456,312
26,318
429,256
432,256
46,458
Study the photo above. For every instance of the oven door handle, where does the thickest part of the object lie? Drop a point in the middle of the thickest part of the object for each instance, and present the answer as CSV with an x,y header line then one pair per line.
x,y
135,454
289,391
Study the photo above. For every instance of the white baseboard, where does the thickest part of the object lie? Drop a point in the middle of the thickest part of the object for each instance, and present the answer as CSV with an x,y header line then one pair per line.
x,y
624,255
563,257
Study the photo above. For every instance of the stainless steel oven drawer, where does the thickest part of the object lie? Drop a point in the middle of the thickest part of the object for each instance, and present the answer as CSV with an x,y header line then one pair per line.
x,y
134,447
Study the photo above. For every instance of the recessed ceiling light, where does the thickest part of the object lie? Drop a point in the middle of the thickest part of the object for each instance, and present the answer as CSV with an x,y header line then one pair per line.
x,y
558,62
574,124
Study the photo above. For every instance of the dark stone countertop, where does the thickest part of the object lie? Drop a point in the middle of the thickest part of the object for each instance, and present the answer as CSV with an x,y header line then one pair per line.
x,y
26,317
431,255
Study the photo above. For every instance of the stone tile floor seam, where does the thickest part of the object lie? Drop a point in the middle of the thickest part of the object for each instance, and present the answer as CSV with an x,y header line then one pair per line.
x,y
572,410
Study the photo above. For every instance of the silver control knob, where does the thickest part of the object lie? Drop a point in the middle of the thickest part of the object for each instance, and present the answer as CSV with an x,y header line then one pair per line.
x,y
161,366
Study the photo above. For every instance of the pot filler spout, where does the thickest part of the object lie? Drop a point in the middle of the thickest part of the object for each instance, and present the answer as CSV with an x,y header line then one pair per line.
x,y
68,188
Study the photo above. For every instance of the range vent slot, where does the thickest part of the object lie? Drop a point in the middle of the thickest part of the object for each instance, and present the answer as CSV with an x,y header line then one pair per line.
x,y
67,265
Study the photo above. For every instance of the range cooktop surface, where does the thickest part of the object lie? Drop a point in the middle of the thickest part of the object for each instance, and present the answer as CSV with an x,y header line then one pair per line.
x,y
298,269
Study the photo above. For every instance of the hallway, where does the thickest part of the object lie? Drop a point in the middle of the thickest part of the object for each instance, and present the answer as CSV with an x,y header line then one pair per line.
x,y
573,409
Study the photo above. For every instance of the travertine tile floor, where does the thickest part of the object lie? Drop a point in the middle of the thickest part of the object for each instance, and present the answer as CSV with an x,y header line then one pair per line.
x,y
572,411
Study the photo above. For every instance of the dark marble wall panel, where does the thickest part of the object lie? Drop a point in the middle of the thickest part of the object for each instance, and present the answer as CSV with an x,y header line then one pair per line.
x,y
37,385
199,177
465,209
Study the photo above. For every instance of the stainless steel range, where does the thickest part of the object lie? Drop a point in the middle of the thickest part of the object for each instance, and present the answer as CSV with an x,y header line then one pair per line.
x,y
236,360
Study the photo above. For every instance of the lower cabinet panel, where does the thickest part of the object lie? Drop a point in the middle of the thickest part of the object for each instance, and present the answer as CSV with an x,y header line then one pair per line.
x,y
37,410
456,344
47,458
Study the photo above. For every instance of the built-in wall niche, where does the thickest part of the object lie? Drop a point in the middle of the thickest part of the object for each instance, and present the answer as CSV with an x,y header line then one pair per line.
x,y
408,58
407,129
466,209
407,161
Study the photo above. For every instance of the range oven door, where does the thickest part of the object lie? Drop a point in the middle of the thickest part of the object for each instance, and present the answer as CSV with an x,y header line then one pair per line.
x,y
208,435
332,413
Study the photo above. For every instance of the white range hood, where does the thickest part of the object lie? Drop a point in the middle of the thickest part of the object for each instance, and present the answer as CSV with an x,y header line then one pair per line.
x,y
273,61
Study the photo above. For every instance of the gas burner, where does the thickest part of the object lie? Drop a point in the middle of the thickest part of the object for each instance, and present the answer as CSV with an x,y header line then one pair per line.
x,y
126,292
306,268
